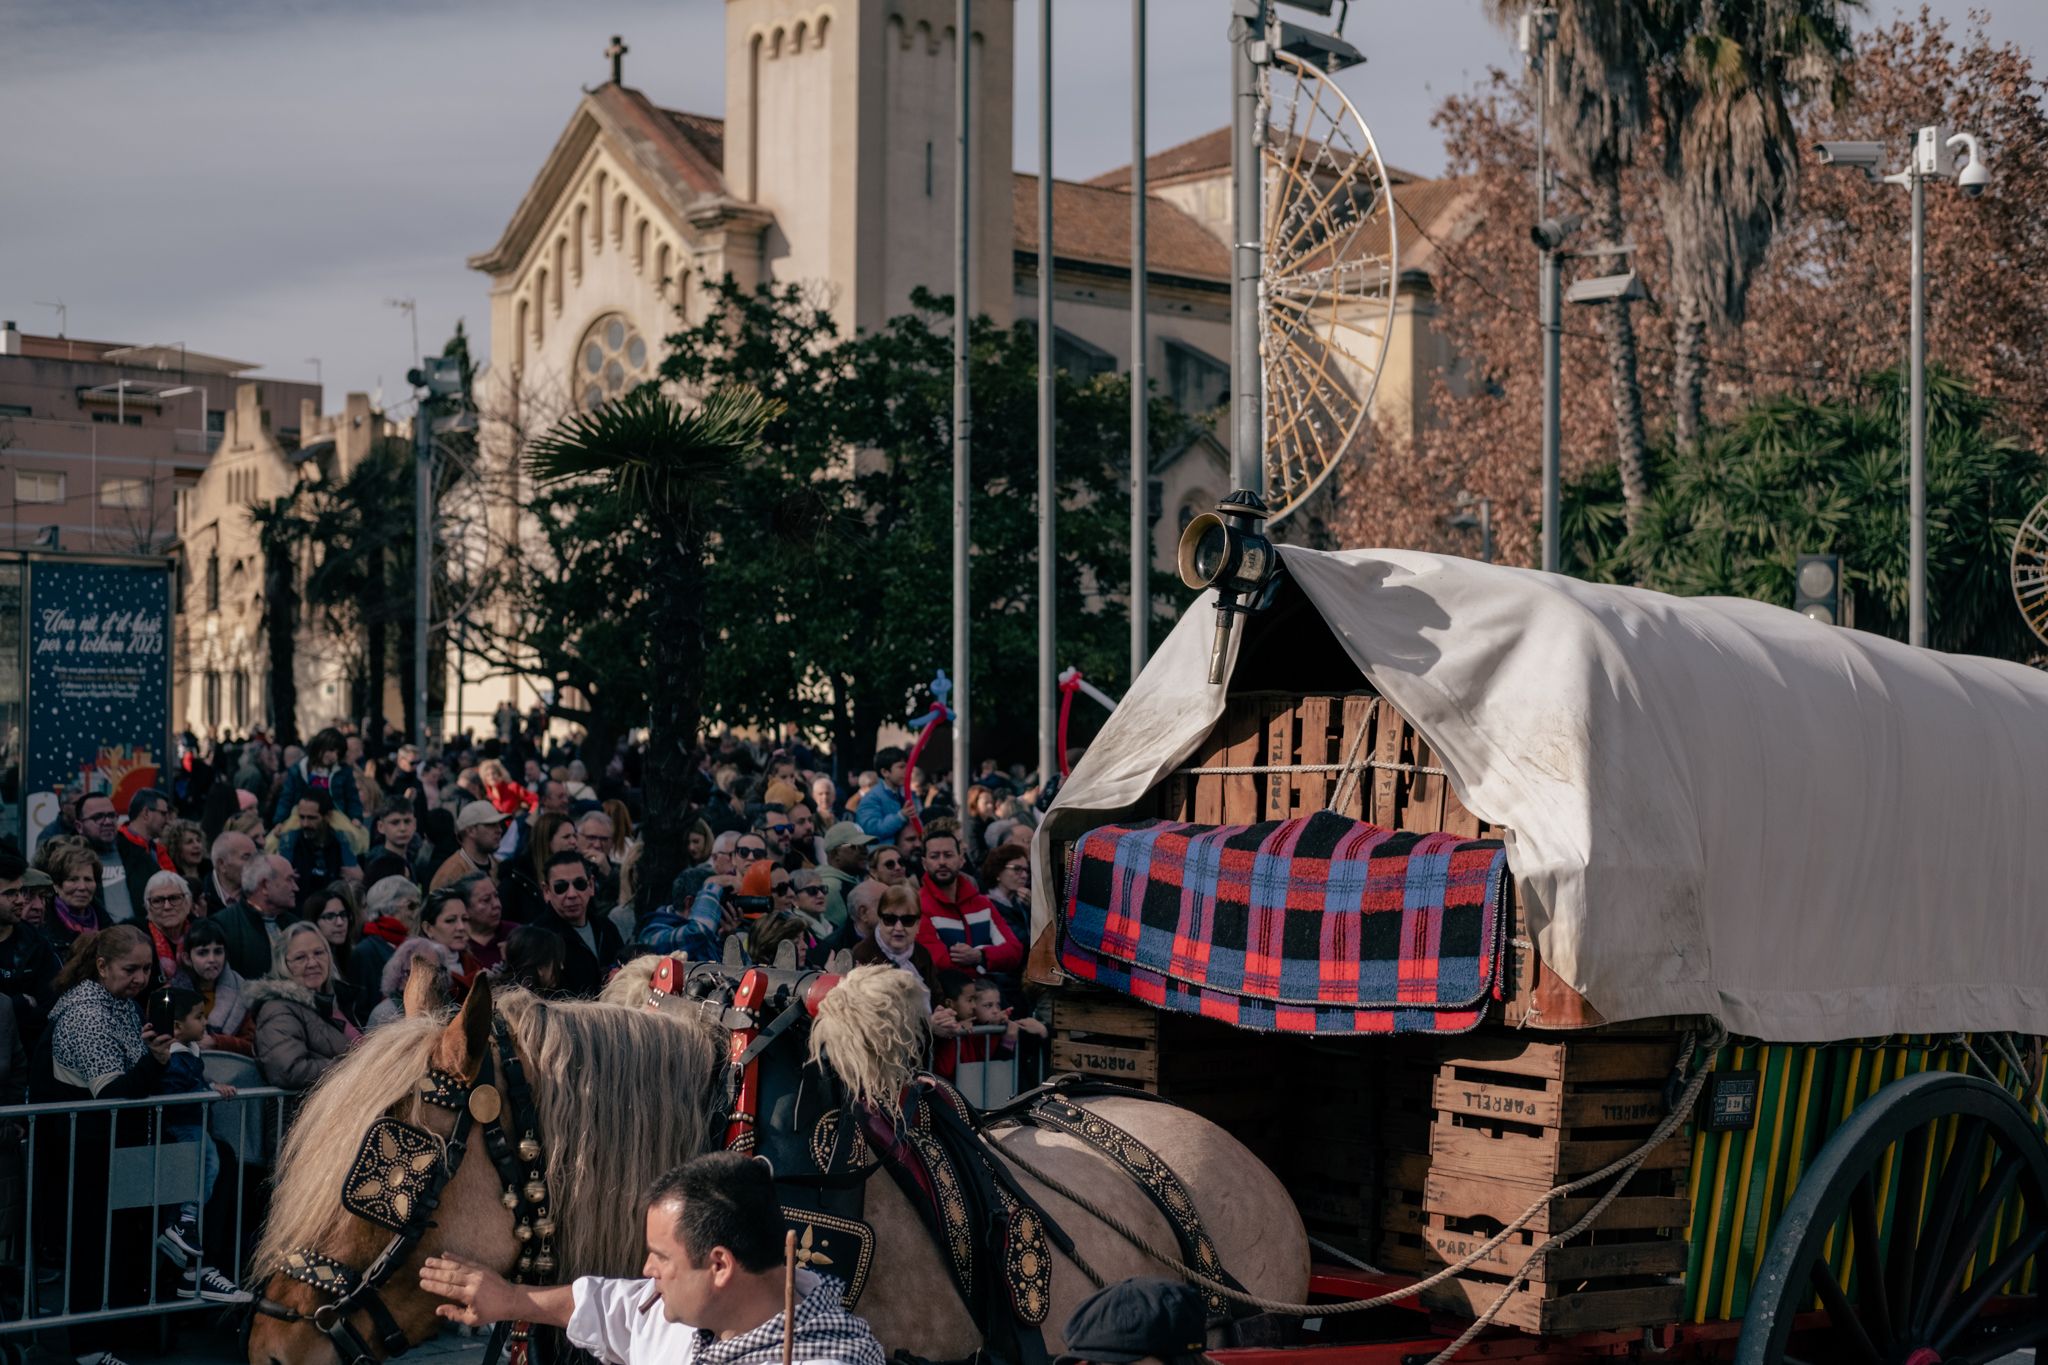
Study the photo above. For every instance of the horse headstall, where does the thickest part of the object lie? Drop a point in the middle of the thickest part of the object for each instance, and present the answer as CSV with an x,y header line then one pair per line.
x,y
396,1182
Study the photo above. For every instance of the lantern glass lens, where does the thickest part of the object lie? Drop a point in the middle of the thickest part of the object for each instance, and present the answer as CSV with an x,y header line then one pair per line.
x,y
1211,551
1816,578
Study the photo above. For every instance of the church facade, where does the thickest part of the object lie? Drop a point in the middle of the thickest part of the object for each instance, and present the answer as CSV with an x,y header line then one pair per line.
x,y
832,166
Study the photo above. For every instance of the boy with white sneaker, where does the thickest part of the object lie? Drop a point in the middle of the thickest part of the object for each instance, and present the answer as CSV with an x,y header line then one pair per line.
x,y
183,1012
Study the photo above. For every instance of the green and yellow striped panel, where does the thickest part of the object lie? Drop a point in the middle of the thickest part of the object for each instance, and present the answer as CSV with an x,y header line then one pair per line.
x,y
1741,1182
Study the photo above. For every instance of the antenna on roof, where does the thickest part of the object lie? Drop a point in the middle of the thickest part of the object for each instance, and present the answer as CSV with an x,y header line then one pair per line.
x,y
63,313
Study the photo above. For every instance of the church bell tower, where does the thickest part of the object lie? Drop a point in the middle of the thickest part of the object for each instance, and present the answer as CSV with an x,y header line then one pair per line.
x,y
839,121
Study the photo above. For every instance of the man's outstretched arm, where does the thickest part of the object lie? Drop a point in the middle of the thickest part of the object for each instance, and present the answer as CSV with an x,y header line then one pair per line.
x,y
478,1297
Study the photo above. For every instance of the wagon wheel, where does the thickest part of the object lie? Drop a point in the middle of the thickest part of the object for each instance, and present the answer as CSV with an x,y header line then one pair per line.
x,y
1852,1276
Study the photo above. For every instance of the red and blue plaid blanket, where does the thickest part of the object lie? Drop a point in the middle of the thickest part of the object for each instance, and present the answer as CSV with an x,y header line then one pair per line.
x,y
1314,925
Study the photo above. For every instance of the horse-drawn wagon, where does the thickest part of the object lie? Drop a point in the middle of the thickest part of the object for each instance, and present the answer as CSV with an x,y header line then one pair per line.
x,y
1635,975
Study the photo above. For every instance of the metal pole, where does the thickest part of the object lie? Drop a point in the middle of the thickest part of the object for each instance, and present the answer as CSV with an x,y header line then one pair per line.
x,y
1141,551
1048,492
1247,421
423,493
1916,586
963,413
1552,306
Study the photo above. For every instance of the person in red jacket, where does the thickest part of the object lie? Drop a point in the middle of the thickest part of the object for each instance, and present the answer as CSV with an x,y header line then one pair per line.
x,y
960,928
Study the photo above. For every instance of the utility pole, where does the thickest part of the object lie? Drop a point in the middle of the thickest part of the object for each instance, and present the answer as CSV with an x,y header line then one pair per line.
x,y
1048,488
422,561
1916,468
1247,417
963,412
1141,557
1539,27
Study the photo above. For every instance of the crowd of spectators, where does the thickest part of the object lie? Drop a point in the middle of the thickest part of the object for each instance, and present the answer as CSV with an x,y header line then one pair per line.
x,y
293,889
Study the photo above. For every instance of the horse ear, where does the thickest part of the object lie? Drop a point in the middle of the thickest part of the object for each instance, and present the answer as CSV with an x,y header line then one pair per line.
x,y
422,987
461,1046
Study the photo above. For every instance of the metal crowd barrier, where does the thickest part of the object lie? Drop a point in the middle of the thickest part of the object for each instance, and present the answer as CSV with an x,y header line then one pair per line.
x,y
94,1182
986,1084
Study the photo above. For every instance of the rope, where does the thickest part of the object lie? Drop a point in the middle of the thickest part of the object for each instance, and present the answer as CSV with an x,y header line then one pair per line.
x,y
1339,1254
1623,1167
1265,769
1347,785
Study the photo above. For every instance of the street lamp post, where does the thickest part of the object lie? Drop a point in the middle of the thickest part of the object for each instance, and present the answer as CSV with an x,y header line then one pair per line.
x,y
1933,158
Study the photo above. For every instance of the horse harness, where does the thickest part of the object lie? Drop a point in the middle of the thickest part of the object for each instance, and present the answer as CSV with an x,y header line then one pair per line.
x,y
396,1182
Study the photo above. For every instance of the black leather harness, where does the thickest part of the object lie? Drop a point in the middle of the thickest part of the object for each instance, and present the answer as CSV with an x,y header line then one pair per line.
x,y
397,1182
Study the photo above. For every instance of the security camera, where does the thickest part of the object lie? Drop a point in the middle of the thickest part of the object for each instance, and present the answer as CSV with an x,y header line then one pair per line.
x,y
1866,157
1972,178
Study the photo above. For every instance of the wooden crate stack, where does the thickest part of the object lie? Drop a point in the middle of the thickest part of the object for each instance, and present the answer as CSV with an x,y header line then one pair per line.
x,y
1513,1118
1276,729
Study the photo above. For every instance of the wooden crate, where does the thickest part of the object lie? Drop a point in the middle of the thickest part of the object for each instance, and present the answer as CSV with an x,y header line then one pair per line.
x,y
1514,1116
1276,730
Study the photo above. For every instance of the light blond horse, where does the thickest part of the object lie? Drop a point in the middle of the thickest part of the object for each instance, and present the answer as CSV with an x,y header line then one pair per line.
x,y
624,1094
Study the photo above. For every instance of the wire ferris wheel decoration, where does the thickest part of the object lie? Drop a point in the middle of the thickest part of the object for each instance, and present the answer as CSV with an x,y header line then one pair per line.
x,y
2030,570
1328,277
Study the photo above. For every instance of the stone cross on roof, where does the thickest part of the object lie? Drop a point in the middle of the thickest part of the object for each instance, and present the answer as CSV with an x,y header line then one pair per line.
x,y
617,52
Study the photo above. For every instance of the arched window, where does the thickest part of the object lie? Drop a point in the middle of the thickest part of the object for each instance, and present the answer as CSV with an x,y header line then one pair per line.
x,y
612,358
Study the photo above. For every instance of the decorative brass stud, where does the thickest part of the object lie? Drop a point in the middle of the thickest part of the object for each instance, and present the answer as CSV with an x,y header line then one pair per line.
x,y
485,1104
535,1191
509,1198
529,1148
525,1264
523,1232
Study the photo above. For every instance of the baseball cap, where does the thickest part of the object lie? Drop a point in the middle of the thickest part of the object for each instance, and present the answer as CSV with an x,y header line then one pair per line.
x,y
844,833
479,813
35,877
1135,1318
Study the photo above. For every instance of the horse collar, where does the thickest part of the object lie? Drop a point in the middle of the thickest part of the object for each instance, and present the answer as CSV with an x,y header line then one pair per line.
x,y
396,1182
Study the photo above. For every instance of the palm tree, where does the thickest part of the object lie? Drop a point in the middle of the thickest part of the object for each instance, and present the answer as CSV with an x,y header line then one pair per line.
x,y
1600,106
277,533
1731,157
663,466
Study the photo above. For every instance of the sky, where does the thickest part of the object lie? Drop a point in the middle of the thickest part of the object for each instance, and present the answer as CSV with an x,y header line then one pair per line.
x,y
260,178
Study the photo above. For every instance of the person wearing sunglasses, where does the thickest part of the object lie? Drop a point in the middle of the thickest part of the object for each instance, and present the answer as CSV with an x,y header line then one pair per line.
x,y
807,901
895,942
886,866
773,827
591,946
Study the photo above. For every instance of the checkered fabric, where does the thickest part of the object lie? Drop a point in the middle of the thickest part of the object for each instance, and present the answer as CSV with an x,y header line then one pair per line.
x,y
1314,925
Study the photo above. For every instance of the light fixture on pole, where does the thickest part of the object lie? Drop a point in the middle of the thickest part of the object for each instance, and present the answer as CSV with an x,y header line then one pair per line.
x,y
1933,158
1550,235
438,378
1224,550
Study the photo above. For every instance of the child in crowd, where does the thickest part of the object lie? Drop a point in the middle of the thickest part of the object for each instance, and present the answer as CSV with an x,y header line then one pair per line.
x,y
977,1004
182,1013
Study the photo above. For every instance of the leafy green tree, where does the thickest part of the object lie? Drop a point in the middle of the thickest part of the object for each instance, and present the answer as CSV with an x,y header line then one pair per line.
x,y
830,578
1798,476
278,535
661,470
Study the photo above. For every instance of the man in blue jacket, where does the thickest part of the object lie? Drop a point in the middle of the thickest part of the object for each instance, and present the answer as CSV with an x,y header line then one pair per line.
x,y
885,810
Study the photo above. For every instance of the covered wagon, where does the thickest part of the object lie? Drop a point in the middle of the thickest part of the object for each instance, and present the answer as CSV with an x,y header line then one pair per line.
x,y
1633,973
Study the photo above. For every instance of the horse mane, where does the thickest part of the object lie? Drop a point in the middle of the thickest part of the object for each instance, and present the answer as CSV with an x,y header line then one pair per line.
x,y
631,983
871,1030
594,1069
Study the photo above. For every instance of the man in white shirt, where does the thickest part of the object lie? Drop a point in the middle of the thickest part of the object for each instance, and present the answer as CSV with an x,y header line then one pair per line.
x,y
712,1292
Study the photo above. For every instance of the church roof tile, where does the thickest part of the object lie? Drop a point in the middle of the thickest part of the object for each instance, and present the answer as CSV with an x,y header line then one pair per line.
x,y
1094,225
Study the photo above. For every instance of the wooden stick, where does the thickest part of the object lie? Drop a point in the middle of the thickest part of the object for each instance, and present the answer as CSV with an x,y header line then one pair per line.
x,y
789,1297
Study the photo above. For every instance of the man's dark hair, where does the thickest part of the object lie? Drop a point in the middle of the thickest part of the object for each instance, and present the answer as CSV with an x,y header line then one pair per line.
x,y
391,808
566,856
767,816
322,802
944,829
548,782
728,1200
12,868
888,758
145,801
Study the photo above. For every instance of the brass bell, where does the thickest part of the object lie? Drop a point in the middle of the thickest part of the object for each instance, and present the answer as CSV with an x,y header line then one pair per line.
x,y
544,1226
510,1199
535,1191
523,1232
529,1148
544,1263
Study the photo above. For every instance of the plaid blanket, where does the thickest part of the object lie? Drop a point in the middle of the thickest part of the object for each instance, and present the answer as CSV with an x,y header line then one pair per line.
x,y
1314,925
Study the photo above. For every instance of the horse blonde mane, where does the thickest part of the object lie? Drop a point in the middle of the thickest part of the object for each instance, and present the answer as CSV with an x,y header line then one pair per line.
x,y
596,1071
633,983
871,1030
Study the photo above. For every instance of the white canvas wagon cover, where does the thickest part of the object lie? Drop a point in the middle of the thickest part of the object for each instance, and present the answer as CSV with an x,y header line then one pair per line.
x,y
1714,806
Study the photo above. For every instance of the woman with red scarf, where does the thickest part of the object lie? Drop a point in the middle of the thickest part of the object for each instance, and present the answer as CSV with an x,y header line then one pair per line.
x,y
168,900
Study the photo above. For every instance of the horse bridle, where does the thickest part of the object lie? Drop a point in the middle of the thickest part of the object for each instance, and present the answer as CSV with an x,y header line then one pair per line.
x,y
397,1181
